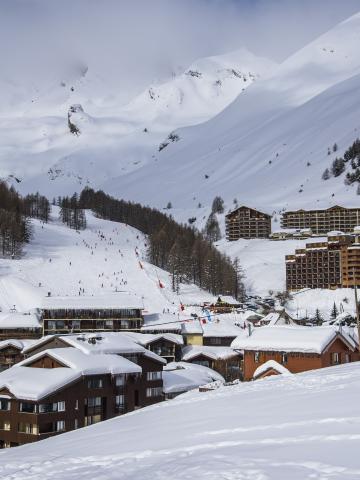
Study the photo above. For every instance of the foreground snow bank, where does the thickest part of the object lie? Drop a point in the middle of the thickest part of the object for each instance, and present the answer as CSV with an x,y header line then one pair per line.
x,y
304,426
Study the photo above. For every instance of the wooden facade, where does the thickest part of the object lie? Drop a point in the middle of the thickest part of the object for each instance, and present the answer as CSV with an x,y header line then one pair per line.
x,y
229,368
323,221
71,320
87,400
245,222
337,352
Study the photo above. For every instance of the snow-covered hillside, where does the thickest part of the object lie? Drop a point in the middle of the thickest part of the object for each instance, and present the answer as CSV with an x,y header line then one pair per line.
x,y
113,139
303,426
105,258
269,147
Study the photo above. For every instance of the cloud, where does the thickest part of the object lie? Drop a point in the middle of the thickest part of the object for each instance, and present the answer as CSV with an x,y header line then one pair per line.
x,y
130,43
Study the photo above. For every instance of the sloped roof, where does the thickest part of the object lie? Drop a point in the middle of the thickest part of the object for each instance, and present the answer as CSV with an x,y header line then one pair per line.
x,y
86,364
290,339
214,353
271,365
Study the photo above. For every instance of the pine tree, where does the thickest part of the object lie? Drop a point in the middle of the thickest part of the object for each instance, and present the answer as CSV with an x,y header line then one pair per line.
x,y
318,319
217,205
334,312
212,229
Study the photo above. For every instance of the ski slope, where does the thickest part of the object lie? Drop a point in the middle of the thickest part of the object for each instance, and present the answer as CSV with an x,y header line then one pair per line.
x,y
303,427
107,257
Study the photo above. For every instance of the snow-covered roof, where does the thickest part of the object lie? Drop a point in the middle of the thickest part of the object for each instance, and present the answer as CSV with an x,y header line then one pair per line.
x,y
146,339
289,339
271,365
104,342
215,353
117,300
19,344
87,364
181,377
193,327
36,383
220,328
19,320
163,321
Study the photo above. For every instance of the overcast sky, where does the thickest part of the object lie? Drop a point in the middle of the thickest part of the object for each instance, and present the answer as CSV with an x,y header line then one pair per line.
x,y
137,41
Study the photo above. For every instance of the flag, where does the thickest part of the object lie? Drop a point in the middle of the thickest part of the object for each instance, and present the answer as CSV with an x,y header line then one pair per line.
x,y
161,285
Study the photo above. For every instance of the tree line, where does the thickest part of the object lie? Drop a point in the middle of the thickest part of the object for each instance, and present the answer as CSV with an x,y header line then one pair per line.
x,y
71,212
15,211
338,166
177,248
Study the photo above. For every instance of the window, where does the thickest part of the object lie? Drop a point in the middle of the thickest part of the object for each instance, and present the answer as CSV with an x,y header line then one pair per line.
x,y
30,428
4,425
76,404
204,363
257,357
151,376
52,407
284,358
76,423
95,383
94,402
4,404
347,358
27,407
215,341
154,392
89,420
120,380
335,358
120,400
60,426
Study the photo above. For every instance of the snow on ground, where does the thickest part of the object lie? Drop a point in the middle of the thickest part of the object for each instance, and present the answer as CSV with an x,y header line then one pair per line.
x,y
263,261
298,427
105,258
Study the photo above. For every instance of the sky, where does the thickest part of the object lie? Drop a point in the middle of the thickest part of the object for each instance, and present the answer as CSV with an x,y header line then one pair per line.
x,y
134,42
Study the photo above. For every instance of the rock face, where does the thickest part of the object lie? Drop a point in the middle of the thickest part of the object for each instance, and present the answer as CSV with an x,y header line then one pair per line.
x,y
76,112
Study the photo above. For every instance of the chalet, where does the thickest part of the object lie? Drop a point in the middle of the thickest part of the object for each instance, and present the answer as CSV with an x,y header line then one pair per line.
x,y
297,348
11,352
113,312
245,222
63,389
223,360
113,343
220,333
166,345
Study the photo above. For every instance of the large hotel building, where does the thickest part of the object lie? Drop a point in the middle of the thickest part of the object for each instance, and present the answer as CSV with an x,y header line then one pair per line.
x,y
331,264
322,221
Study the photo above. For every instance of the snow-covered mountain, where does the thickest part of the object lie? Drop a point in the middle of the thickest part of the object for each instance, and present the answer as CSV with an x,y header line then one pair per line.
x,y
269,147
108,138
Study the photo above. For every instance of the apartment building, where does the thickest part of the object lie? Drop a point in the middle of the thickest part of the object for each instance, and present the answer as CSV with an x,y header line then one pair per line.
x,y
245,222
322,221
331,264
